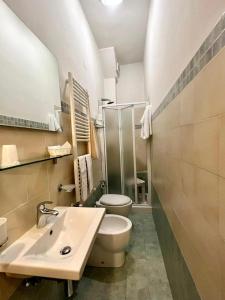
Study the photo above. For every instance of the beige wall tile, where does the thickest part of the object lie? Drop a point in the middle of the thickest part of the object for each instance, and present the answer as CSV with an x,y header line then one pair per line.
x,y
30,143
206,144
172,114
13,189
222,256
82,148
222,207
188,180
187,142
37,179
187,104
222,146
207,197
209,89
23,217
66,199
173,142
51,139
60,173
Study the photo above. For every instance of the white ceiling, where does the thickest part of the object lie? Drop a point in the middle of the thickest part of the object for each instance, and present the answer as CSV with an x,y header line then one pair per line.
x,y
123,27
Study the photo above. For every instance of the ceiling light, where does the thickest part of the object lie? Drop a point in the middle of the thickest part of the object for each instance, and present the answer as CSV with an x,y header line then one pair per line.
x,y
111,2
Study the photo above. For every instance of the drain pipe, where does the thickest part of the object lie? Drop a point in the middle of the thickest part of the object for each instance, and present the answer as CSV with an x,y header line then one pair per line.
x,y
69,288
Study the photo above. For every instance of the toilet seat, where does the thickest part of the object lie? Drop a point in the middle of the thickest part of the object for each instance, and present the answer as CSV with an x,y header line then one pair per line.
x,y
114,200
114,225
115,204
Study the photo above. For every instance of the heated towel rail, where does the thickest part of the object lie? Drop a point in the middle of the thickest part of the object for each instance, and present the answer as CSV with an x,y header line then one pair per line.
x,y
80,122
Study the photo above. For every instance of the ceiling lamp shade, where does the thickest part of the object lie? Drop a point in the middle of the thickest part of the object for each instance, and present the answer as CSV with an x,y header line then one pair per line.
x,y
111,2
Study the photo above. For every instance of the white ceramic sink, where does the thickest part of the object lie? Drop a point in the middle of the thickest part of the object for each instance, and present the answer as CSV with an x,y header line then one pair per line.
x,y
37,252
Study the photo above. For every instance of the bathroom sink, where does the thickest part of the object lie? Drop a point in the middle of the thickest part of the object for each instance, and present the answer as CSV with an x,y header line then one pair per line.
x,y
58,250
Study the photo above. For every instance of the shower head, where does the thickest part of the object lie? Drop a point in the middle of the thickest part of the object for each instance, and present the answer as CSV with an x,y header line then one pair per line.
x,y
107,100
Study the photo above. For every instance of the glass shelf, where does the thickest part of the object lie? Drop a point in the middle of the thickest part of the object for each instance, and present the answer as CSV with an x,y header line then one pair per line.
x,y
34,161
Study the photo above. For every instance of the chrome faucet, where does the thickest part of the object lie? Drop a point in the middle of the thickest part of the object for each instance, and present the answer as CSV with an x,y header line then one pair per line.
x,y
43,212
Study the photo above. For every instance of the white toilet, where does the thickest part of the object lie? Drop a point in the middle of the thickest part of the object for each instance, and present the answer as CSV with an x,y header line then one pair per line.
x,y
112,239
115,204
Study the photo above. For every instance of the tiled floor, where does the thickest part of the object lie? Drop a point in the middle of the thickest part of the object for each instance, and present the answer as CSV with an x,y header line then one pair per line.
x,y
143,276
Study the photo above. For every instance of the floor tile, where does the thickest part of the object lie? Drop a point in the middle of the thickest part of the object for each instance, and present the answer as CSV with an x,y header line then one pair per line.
x,y
142,277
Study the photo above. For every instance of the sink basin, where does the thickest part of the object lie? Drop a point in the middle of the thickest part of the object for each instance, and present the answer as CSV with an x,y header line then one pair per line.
x,y
59,250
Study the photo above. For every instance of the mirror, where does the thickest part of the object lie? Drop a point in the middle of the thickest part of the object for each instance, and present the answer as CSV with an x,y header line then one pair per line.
x,y
29,80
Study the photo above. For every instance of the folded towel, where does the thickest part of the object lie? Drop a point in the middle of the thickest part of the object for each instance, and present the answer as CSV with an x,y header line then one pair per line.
x,y
94,143
146,123
99,118
85,176
82,168
89,172
53,122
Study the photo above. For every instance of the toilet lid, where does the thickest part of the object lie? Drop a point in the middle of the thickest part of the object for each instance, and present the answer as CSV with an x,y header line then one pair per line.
x,y
114,200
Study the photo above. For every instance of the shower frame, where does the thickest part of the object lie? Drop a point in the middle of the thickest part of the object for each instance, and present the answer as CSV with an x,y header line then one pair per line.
x,y
120,107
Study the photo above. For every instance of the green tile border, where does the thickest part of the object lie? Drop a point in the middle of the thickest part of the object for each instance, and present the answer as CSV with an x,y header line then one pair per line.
x,y
19,122
210,47
24,123
65,107
180,279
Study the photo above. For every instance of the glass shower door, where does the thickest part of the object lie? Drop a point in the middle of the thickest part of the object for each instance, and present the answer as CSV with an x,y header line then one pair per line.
x,y
119,152
128,178
112,151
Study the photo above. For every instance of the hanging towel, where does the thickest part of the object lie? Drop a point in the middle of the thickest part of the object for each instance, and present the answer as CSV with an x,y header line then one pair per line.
x,y
94,142
89,172
82,168
53,122
146,123
99,118
58,121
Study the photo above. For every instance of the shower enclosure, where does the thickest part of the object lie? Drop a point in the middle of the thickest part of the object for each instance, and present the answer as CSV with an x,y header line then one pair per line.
x,y
120,141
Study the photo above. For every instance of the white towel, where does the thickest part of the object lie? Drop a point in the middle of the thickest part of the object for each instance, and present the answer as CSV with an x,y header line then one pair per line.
x,y
99,118
146,123
58,121
53,122
94,142
83,177
89,172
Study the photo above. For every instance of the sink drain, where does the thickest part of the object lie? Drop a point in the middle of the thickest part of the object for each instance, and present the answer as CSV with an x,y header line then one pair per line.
x,y
65,250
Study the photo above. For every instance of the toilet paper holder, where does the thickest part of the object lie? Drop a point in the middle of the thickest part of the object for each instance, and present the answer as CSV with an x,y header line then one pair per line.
x,y
68,188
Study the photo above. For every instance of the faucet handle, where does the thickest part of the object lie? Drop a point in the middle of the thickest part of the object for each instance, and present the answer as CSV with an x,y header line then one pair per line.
x,y
44,203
